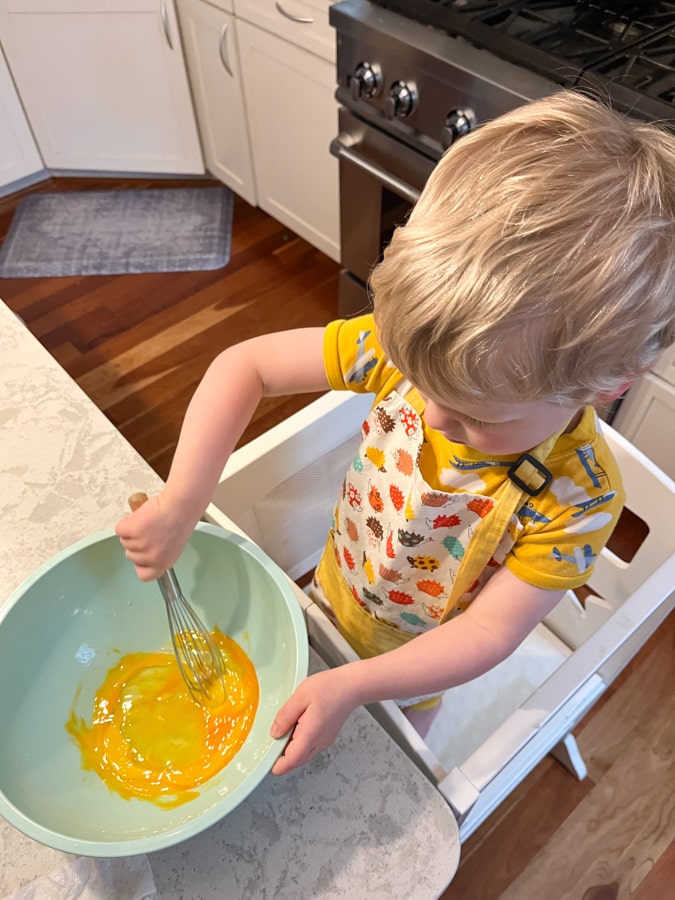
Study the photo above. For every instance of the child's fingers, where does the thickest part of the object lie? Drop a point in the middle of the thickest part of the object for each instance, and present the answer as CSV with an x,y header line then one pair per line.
x,y
132,545
287,716
123,528
129,529
144,571
301,746
147,573
296,754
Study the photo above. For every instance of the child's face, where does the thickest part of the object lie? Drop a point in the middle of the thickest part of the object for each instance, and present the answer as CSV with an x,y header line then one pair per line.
x,y
499,428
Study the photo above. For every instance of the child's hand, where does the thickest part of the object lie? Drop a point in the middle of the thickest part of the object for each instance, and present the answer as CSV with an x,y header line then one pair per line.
x,y
318,709
154,536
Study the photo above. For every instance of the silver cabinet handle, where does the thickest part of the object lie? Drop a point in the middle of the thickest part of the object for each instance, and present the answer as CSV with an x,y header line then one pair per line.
x,y
301,20
222,49
165,24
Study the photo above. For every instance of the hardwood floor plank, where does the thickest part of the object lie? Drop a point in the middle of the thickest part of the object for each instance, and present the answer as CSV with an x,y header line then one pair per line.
x,y
123,374
612,835
31,296
527,821
632,707
659,883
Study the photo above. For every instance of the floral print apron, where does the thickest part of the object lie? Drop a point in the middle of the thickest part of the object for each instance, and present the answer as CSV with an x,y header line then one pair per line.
x,y
399,542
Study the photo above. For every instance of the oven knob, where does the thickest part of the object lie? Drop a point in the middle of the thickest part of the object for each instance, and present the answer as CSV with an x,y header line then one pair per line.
x,y
401,101
365,82
457,123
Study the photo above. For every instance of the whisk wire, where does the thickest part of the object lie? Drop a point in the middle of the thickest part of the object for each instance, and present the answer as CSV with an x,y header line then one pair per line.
x,y
199,659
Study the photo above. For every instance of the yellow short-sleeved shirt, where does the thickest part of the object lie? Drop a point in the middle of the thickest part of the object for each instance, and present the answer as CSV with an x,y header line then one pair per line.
x,y
558,534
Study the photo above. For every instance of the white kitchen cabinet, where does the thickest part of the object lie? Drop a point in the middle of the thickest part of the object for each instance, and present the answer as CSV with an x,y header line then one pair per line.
x,y
103,83
212,57
292,114
665,365
19,156
647,415
302,22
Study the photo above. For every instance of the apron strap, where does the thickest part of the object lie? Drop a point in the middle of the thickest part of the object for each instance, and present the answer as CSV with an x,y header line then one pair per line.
x,y
527,477
403,387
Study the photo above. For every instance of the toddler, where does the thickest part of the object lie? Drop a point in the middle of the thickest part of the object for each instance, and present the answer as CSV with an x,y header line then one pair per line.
x,y
534,279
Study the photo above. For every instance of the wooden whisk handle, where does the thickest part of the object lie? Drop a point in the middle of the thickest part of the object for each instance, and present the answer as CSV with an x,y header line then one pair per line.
x,y
137,500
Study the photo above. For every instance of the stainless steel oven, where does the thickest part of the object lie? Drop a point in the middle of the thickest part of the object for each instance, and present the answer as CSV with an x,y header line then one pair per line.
x,y
380,180
407,91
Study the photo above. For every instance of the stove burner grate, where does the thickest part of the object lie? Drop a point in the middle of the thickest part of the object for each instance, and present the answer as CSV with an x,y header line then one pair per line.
x,y
647,70
630,45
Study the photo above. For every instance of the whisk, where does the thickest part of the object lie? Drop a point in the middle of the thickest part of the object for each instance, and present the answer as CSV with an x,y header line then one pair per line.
x,y
199,659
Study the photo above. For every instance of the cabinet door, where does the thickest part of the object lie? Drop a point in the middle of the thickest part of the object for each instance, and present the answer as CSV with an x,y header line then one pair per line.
x,y
18,154
665,365
647,418
212,59
293,117
103,83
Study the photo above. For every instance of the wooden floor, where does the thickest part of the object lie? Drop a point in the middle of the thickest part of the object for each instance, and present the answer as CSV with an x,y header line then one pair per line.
x,y
138,345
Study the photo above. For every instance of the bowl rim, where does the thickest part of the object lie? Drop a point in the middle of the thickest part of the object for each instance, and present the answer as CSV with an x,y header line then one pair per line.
x,y
211,816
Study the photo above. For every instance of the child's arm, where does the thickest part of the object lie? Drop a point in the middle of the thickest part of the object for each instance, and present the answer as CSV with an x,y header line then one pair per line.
x,y
288,362
497,621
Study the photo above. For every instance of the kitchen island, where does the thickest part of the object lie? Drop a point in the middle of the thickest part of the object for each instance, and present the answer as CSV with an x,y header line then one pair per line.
x,y
359,821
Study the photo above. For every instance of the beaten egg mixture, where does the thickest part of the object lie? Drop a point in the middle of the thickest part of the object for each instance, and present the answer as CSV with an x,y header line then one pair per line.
x,y
149,739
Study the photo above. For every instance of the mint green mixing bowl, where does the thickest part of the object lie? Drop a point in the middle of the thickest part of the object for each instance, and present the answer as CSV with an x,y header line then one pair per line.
x,y
67,624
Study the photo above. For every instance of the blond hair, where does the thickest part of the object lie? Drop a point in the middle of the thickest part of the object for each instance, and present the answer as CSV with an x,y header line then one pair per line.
x,y
539,261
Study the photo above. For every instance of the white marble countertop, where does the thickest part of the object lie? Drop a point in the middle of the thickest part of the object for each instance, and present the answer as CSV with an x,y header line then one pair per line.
x,y
360,821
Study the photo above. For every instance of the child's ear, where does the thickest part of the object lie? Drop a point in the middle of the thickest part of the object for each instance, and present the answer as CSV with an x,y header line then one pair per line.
x,y
608,396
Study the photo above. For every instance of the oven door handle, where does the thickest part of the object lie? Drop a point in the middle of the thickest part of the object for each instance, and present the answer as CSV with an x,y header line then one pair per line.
x,y
400,187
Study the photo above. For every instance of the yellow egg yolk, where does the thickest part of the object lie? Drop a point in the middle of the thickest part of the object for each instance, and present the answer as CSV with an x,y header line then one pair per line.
x,y
149,739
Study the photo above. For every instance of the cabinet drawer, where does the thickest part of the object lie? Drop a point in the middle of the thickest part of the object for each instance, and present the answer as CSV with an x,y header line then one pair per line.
x,y
303,22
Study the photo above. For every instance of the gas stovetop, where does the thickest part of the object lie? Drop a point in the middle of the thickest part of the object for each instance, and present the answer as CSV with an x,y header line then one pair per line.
x,y
627,49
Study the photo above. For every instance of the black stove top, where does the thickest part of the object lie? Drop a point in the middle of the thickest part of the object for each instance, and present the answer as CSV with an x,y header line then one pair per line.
x,y
626,49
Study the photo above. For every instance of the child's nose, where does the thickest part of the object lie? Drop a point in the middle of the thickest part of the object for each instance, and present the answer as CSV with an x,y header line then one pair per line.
x,y
439,418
